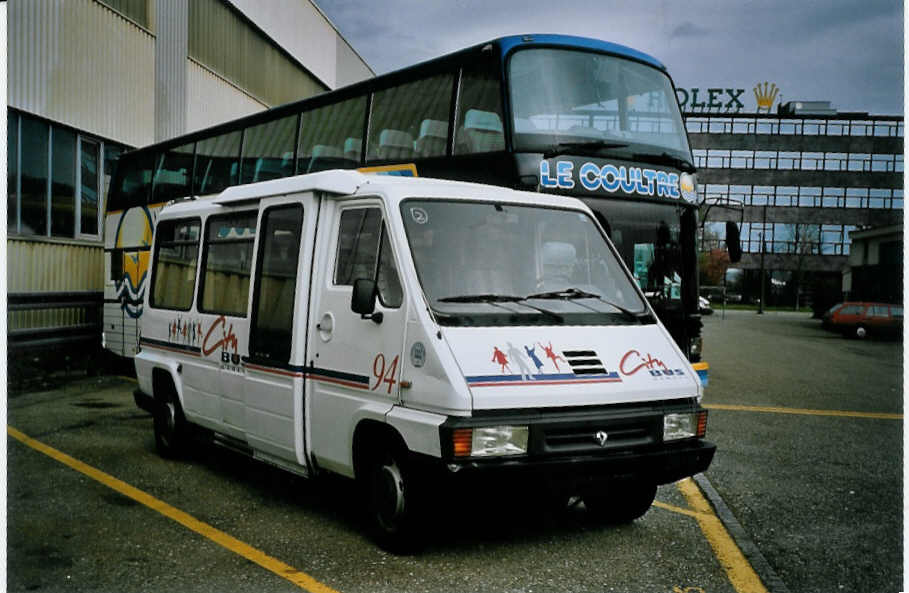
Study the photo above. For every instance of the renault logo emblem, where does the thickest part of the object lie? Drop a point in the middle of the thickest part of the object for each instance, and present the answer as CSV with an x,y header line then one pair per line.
x,y
601,437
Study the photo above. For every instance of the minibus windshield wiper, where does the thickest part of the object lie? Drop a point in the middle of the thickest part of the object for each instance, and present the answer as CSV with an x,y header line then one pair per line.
x,y
664,158
493,299
575,293
582,147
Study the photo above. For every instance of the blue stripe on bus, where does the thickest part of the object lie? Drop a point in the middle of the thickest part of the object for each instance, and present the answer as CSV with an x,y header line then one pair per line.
x,y
547,379
509,43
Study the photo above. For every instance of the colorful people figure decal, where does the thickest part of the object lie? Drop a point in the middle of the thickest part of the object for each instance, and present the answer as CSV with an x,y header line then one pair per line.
x,y
584,366
518,357
532,353
552,355
499,357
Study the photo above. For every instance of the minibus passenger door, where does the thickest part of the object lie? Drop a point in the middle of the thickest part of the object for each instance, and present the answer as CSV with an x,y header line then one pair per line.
x,y
274,387
354,358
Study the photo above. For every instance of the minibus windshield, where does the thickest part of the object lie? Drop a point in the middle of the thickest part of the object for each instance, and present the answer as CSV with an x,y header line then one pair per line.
x,y
483,263
578,102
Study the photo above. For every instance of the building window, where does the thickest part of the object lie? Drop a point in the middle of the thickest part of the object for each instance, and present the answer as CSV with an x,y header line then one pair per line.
x,y
63,185
33,194
54,180
12,169
89,186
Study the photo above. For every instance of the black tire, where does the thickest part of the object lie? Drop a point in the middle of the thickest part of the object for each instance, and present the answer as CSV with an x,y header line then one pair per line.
x,y
392,499
860,332
170,426
621,503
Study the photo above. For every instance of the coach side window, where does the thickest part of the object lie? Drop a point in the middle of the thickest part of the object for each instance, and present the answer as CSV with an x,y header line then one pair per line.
x,y
411,120
174,272
479,127
331,136
217,163
226,263
362,243
172,177
268,150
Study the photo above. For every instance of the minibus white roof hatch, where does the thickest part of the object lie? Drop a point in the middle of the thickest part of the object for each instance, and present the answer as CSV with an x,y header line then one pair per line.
x,y
340,182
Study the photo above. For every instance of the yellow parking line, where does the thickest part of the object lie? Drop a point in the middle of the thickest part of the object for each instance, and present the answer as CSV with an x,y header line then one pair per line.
x,y
738,569
805,412
301,579
675,509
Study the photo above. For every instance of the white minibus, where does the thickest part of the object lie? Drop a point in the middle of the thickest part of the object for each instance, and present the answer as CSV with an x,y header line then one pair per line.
x,y
409,332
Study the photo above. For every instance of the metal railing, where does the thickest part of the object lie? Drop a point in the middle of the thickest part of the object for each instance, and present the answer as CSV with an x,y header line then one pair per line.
x,y
884,163
85,330
776,125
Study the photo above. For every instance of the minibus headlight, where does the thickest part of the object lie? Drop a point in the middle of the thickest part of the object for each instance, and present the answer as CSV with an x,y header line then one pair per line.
x,y
684,426
490,441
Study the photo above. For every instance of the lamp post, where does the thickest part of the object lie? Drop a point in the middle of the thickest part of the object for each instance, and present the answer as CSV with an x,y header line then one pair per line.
x,y
761,303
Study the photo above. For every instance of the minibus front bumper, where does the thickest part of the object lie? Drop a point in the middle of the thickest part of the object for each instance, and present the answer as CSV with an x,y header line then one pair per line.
x,y
656,442
661,465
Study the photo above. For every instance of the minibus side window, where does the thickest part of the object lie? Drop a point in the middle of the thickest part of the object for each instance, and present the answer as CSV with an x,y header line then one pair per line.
x,y
360,237
276,281
226,263
174,271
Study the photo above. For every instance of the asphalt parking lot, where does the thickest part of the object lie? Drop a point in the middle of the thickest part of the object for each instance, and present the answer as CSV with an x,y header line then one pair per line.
x,y
809,468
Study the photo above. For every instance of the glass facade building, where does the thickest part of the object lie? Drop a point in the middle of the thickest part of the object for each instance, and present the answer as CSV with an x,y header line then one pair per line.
x,y
797,185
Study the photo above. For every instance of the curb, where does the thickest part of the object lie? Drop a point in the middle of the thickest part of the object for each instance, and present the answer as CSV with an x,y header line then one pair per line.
x,y
763,569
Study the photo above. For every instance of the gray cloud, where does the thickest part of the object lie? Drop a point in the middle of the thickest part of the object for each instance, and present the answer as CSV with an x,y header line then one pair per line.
x,y
847,52
688,29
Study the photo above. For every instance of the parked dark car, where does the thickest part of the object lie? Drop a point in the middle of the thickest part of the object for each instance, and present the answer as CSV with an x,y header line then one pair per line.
x,y
859,319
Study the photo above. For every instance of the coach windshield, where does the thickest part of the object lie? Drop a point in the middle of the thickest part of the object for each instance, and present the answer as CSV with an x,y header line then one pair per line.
x,y
580,102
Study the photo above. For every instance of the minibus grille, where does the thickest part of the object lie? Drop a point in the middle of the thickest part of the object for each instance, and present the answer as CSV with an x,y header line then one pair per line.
x,y
604,435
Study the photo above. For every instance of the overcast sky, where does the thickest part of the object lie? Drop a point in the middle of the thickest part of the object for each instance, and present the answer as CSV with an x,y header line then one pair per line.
x,y
847,52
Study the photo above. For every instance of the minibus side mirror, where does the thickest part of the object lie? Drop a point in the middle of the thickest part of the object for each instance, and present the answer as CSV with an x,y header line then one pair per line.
x,y
363,299
733,244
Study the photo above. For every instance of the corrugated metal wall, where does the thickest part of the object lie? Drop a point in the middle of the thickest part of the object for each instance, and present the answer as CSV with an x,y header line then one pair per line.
x,y
349,66
211,100
47,267
171,50
80,63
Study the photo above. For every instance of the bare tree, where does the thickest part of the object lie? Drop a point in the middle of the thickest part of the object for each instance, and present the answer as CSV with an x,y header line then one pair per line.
x,y
804,241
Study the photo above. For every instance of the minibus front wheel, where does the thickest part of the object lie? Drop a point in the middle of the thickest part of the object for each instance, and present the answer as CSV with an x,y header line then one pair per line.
x,y
391,498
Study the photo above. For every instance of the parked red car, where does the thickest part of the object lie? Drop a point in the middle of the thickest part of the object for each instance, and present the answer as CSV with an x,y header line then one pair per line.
x,y
860,319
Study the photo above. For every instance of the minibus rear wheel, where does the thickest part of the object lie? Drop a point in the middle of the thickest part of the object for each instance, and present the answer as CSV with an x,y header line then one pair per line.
x,y
169,422
621,502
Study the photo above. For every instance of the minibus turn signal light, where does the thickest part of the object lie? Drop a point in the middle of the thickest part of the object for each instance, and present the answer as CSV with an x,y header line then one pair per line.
x,y
461,438
702,424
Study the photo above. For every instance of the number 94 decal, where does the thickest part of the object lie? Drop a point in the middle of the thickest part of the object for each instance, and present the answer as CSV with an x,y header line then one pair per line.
x,y
384,373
